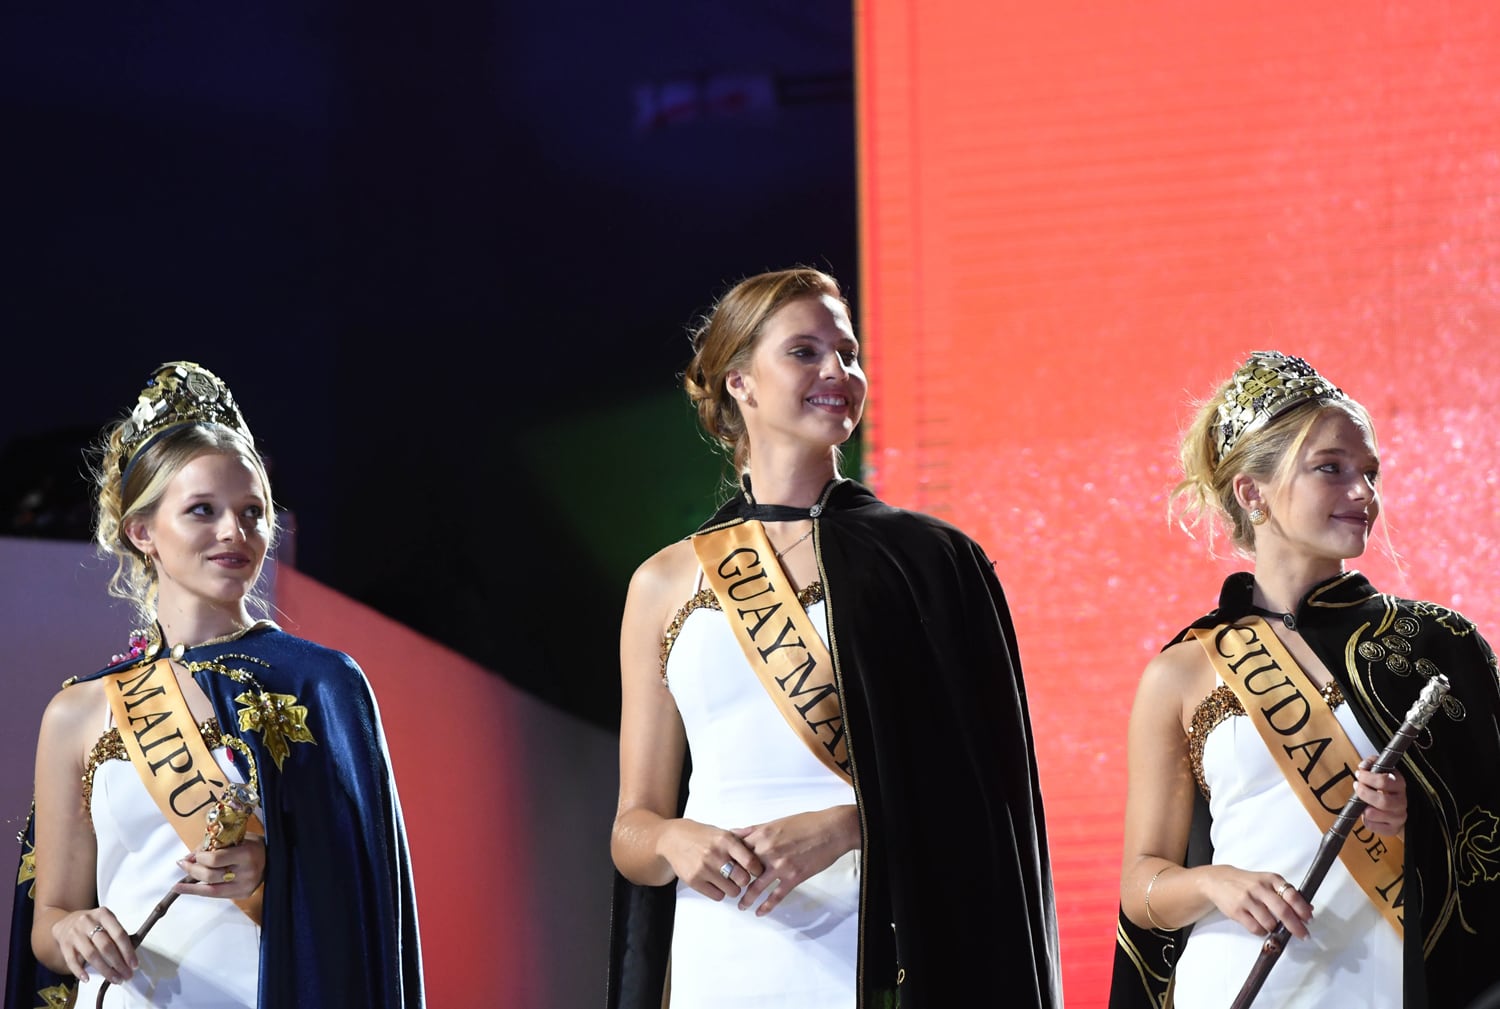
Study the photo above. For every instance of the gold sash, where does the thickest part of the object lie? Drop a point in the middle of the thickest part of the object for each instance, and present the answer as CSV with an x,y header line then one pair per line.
x,y
1310,747
169,754
779,639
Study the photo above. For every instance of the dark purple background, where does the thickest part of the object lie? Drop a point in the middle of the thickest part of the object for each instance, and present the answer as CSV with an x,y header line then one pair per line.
x,y
444,255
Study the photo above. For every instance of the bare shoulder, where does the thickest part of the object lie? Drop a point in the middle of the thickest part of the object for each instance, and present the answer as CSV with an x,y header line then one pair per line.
x,y
1179,673
76,703
75,716
1183,660
673,562
663,582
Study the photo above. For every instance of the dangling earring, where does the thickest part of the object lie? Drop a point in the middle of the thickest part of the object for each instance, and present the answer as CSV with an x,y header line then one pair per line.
x,y
1258,516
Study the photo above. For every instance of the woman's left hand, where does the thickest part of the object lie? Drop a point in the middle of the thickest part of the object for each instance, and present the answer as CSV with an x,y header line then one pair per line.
x,y
796,848
1384,796
232,872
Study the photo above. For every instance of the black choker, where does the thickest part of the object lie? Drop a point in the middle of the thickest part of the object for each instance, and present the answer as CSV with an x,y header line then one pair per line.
x,y
751,509
778,513
1286,618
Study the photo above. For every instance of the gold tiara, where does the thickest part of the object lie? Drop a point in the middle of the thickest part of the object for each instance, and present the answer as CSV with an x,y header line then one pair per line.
x,y
1267,385
179,393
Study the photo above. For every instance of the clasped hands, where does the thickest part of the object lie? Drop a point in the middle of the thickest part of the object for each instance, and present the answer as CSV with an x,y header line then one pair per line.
x,y
769,859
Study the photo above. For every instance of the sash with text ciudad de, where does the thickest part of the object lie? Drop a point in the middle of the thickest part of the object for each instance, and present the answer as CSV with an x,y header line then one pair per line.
x,y
1309,746
777,636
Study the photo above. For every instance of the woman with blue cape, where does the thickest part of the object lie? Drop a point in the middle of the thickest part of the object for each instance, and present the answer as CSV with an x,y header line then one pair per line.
x,y
314,905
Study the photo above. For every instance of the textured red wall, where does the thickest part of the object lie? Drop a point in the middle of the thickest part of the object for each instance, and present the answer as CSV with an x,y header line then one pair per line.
x,y
1077,217
461,763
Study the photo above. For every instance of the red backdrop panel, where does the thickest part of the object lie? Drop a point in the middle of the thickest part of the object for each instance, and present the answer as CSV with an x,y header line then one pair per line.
x,y
1077,217
459,753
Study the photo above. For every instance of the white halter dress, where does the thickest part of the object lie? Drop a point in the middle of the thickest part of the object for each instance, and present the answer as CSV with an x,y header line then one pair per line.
x,y
204,953
1352,956
749,768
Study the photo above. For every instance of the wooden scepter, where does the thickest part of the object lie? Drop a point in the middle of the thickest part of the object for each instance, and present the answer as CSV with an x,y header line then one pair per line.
x,y
1416,720
227,818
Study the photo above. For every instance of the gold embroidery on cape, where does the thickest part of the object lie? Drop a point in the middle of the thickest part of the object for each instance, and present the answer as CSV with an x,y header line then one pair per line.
x,y
27,871
1463,851
1478,847
1391,646
1414,767
60,997
1452,621
1147,973
278,718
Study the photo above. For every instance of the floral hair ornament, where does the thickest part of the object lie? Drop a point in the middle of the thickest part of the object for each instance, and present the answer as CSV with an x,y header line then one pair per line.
x,y
1266,386
178,394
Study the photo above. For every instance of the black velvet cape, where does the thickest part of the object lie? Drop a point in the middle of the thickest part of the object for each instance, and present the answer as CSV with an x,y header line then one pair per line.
x,y
957,904
1382,650
339,927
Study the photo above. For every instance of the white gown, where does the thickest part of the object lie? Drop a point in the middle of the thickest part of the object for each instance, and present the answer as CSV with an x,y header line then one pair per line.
x,y
204,953
1352,956
748,768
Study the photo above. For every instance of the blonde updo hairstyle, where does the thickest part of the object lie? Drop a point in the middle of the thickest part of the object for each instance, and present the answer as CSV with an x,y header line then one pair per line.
x,y
1206,492
155,466
725,339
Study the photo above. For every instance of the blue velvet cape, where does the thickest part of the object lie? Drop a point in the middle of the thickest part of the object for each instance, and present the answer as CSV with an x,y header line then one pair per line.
x,y
339,921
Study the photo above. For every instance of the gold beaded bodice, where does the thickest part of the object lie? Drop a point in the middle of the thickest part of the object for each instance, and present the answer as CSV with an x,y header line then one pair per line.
x,y
705,599
1221,703
110,747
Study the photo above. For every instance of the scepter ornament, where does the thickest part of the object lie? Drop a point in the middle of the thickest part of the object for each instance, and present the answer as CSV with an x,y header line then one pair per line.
x,y
1416,720
227,818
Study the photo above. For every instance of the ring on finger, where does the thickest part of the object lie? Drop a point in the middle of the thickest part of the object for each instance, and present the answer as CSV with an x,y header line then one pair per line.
x,y
726,870
229,876
1283,888
95,930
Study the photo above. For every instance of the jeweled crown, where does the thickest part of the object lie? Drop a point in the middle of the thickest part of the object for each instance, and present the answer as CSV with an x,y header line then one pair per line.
x,y
180,392
1267,385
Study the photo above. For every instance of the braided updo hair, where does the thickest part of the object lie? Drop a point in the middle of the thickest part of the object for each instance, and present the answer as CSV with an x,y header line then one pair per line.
x,y
724,340
1205,494
150,471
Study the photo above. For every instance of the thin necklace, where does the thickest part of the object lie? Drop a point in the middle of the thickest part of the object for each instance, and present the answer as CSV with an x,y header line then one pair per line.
x,y
794,542
176,651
